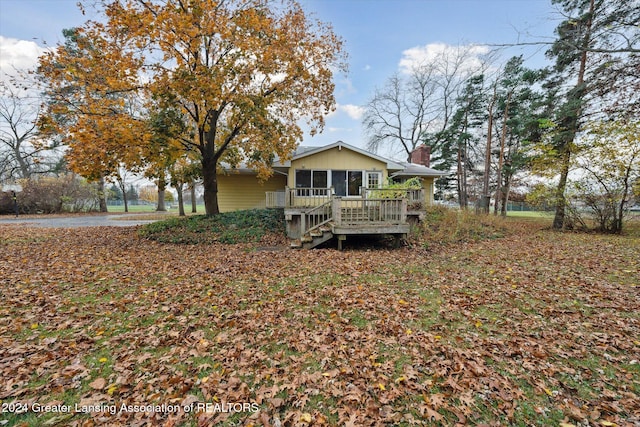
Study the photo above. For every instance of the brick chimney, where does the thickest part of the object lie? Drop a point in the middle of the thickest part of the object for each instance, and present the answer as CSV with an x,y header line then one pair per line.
x,y
421,155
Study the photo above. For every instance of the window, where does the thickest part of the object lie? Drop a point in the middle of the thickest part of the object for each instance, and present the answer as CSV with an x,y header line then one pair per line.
x,y
319,179
355,182
339,182
306,179
303,178
344,182
374,179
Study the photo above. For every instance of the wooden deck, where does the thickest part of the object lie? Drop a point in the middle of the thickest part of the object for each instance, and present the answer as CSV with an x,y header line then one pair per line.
x,y
315,216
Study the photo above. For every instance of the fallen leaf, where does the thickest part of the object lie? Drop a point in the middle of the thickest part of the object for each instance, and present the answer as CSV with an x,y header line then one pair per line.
x,y
98,384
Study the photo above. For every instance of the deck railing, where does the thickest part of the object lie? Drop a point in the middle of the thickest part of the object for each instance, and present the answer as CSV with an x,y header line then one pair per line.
x,y
369,211
307,197
316,217
275,199
298,197
412,195
310,197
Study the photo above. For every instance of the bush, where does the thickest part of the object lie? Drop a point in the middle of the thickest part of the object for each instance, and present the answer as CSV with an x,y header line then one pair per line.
x,y
67,193
443,225
231,227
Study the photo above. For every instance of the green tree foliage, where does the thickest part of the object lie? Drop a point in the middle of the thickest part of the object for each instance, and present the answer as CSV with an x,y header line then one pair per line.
x,y
517,117
462,136
595,44
610,163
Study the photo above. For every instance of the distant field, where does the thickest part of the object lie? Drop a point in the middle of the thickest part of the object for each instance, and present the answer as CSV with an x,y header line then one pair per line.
x,y
530,214
152,208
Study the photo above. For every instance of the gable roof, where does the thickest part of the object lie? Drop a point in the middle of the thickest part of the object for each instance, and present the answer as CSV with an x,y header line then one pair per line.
x,y
310,151
395,168
413,169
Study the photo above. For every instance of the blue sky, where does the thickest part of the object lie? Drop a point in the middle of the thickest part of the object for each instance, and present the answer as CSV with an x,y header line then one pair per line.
x,y
378,35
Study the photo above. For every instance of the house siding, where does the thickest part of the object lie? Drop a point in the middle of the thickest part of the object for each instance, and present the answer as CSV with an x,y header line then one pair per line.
x,y
245,191
335,159
427,184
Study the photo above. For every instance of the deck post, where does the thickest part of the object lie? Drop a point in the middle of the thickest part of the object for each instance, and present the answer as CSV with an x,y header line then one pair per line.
x,y
336,204
341,238
403,211
287,197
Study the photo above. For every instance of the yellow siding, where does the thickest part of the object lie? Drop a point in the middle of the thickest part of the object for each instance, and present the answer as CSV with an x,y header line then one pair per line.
x,y
427,184
239,192
335,159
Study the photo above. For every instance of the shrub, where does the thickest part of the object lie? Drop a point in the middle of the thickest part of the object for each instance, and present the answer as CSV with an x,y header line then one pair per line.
x,y
443,225
231,227
66,193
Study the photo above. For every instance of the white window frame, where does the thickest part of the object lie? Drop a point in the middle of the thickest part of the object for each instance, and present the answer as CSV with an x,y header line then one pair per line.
x,y
373,173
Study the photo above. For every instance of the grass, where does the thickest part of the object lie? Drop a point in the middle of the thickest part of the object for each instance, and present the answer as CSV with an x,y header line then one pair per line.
x,y
172,209
503,323
530,214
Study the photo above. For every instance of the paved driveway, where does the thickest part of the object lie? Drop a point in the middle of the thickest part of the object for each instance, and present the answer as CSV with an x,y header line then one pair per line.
x,y
73,221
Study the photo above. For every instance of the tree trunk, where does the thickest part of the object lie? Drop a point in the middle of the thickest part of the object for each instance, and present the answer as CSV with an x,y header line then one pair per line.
x,y
462,192
559,218
180,200
505,195
162,185
25,171
210,181
503,137
194,204
122,186
486,197
102,202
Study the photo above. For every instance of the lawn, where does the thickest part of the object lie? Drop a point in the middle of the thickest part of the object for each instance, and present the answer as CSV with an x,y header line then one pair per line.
x,y
150,208
532,329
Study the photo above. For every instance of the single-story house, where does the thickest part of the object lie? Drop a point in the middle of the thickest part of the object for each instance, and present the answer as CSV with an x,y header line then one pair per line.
x,y
337,189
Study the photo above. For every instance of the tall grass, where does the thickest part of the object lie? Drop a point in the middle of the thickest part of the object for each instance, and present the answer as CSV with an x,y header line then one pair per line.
x,y
443,225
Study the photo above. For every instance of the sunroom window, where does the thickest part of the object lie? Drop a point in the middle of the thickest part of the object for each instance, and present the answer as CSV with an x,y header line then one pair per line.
x,y
311,182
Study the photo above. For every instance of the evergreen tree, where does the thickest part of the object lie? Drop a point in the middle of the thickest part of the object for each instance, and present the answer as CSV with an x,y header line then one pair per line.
x,y
595,43
462,136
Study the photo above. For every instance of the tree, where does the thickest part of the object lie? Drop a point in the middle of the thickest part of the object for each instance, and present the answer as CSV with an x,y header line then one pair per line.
x,y
595,41
463,135
418,106
184,172
97,115
518,111
22,153
402,111
611,164
115,193
243,72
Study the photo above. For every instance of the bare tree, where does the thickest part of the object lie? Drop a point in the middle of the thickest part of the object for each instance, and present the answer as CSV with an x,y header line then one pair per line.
x,y
21,152
417,105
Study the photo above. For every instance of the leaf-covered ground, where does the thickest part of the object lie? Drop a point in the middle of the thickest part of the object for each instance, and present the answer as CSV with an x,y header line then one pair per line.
x,y
541,328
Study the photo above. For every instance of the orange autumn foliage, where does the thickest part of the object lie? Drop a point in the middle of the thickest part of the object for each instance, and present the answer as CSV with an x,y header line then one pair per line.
x,y
242,74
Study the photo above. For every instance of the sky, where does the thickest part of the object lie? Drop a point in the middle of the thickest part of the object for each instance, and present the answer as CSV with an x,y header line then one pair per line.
x,y
381,37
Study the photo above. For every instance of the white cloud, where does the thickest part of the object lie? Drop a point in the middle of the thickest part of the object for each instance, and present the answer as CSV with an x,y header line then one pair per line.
x,y
353,111
336,129
419,56
18,54
366,67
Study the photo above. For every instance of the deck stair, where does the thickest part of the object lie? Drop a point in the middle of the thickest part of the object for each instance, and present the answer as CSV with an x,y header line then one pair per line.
x,y
339,218
316,237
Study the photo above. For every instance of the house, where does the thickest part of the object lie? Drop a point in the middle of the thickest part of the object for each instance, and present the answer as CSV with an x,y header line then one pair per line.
x,y
334,190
